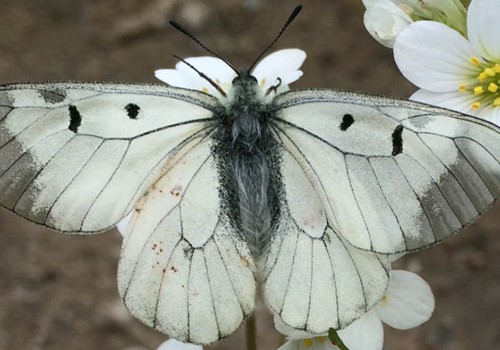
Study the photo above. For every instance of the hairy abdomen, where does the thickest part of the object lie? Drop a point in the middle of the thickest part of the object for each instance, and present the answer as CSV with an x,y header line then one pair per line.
x,y
249,168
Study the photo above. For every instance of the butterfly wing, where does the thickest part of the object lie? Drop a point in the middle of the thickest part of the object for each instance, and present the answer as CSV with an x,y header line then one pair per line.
x,y
365,177
393,176
313,279
76,157
184,270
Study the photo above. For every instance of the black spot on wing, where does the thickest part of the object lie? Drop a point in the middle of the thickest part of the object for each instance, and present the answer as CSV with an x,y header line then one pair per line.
x,y
132,110
347,121
52,96
75,118
397,140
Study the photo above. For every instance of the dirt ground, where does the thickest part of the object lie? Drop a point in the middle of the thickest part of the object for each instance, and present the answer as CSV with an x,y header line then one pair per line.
x,y
59,292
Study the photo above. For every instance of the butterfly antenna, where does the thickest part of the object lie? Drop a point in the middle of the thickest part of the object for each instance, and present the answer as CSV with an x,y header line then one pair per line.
x,y
292,16
192,37
203,75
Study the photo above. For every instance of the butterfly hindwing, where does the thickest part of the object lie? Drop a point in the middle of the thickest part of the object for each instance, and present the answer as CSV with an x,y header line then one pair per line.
x,y
393,176
313,279
184,270
77,156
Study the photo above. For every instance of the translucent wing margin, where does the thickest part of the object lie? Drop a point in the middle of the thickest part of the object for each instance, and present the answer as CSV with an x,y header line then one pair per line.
x,y
183,269
393,176
75,157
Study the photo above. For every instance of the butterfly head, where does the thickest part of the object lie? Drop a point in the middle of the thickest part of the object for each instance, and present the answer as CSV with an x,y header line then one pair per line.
x,y
244,78
244,87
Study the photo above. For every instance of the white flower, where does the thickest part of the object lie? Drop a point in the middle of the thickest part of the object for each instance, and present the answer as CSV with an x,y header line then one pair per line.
x,y
385,19
282,64
318,343
173,344
301,340
451,71
123,223
408,303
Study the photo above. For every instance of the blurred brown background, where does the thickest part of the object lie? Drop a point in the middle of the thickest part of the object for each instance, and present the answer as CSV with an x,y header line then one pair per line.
x,y
59,292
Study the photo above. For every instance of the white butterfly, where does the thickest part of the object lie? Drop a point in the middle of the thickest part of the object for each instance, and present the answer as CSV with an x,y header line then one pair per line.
x,y
305,193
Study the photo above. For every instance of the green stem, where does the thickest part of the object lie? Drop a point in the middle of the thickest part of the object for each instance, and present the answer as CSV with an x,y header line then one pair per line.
x,y
335,339
251,339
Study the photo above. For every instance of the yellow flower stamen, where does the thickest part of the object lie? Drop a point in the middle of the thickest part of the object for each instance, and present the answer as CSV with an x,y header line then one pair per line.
x,y
263,82
486,89
478,90
475,61
308,343
482,76
205,90
322,339
490,72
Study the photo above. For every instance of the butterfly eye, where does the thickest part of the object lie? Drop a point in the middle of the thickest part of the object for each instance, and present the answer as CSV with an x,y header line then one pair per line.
x,y
246,77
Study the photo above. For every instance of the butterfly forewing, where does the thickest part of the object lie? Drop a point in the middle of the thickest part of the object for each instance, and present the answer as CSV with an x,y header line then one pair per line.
x,y
76,157
393,176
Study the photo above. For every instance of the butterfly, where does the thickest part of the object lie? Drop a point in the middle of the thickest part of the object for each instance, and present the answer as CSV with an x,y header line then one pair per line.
x,y
305,193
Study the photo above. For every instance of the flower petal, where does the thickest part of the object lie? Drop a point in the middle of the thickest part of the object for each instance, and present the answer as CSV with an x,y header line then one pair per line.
x,y
365,333
291,333
491,114
483,27
308,344
384,21
433,56
123,223
298,339
185,77
409,301
213,67
457,101
173,344
283,64
176,78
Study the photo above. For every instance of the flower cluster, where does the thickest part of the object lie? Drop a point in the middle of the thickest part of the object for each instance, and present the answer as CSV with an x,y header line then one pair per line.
x,y
458,50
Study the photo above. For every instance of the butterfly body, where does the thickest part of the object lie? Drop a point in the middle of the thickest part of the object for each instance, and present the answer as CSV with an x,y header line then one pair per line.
x,y
248,161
